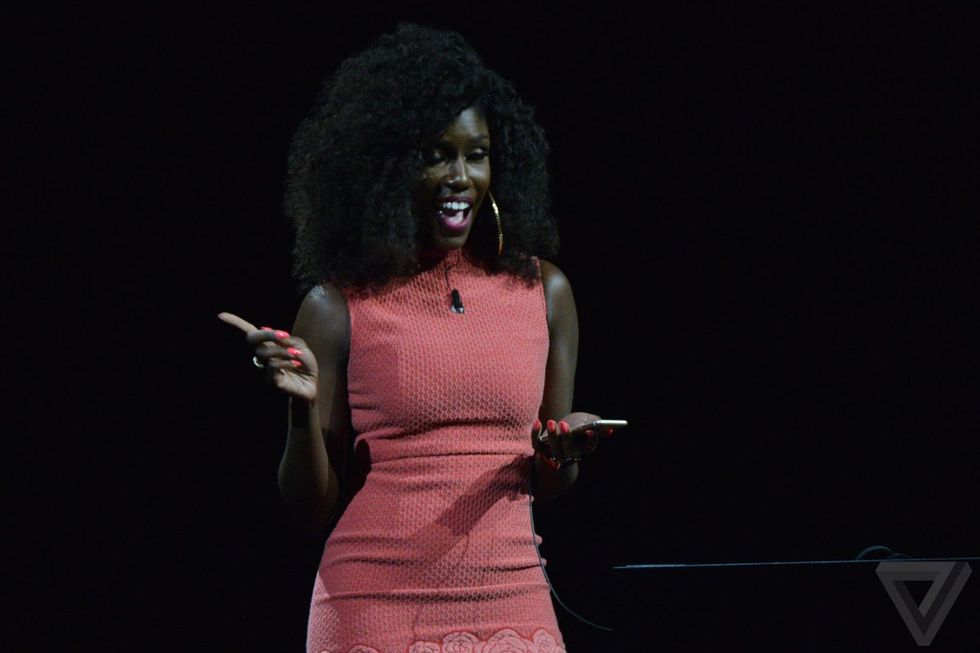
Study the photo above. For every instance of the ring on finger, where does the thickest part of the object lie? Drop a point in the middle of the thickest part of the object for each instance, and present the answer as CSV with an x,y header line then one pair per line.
x,y
256,363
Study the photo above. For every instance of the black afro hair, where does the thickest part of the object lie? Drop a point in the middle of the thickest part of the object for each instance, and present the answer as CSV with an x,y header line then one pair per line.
x,y
355,162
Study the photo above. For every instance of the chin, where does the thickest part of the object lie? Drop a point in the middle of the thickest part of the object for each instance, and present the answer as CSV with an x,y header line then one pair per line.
x,y
449,243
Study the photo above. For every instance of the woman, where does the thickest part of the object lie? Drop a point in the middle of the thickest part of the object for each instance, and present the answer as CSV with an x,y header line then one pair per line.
x,y
433,337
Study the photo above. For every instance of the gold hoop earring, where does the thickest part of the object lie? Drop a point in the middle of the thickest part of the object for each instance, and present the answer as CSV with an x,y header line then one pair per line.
x,y
500,230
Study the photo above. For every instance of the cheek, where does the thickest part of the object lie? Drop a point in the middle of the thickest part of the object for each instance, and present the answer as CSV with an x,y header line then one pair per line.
x,y
426,189
482,177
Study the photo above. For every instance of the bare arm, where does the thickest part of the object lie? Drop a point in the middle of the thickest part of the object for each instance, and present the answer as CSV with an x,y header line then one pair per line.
x,y
559,385
318,431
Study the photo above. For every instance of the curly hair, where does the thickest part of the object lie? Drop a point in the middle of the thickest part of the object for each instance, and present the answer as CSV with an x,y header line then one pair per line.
x,y
355,162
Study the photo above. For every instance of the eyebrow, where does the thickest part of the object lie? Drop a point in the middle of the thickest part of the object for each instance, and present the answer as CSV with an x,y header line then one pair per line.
x,y
475,140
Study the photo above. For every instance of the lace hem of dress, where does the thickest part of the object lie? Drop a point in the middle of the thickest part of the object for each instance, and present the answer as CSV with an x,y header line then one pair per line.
x,y
504,641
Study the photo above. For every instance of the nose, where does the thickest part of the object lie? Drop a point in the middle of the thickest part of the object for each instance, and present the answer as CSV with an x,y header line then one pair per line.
x,y
458,177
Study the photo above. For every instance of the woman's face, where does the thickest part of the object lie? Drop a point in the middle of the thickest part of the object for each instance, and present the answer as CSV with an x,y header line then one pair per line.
x,y
457,176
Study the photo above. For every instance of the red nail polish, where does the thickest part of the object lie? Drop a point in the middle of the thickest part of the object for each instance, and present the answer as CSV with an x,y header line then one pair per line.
x,y
295,363
536,426
590,434
266,328
564,427
294,352
282,335
608,432
551,425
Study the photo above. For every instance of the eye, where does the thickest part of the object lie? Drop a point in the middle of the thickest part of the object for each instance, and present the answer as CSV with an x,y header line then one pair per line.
x,y
434,157
478,155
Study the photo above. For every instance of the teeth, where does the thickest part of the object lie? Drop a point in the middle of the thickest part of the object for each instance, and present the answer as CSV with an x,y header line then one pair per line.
x,y
455,206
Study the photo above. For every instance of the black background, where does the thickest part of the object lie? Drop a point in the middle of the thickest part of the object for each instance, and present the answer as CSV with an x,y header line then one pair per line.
x,y
768,216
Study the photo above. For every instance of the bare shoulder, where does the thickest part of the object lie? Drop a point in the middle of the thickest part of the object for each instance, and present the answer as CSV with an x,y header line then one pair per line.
x,y
323,319
557,289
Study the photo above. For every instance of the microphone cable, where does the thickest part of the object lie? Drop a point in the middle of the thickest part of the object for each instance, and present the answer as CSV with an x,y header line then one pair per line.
x,y
551,587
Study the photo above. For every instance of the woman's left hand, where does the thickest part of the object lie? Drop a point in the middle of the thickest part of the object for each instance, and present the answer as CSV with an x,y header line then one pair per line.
x,y
568,439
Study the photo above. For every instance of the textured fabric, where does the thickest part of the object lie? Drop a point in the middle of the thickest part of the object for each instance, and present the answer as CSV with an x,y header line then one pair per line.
x,y
435,552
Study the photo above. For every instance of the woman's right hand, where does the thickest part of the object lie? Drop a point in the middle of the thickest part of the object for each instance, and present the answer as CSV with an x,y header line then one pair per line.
x,y
289,364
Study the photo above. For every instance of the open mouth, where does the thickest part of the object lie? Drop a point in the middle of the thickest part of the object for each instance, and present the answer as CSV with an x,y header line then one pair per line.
x,y
454,215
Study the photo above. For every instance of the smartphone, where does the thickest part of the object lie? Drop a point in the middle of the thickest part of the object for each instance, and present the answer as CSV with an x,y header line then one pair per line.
x,y
602,424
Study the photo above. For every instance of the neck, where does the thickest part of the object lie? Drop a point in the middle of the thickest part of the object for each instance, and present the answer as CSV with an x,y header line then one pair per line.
x,y
430,258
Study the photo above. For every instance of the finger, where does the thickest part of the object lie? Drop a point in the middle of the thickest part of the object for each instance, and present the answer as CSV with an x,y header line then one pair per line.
x,y
267,351
591,441
576,442
587,439
558,442
284,364
551,461
569,440
268,334
537,431
547,433
235,321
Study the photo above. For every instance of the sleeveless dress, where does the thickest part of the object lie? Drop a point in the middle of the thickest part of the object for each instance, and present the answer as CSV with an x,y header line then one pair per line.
x,y
435,552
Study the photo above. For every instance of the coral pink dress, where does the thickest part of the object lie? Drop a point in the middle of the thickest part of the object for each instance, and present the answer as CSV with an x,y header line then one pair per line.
x,y
435,553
